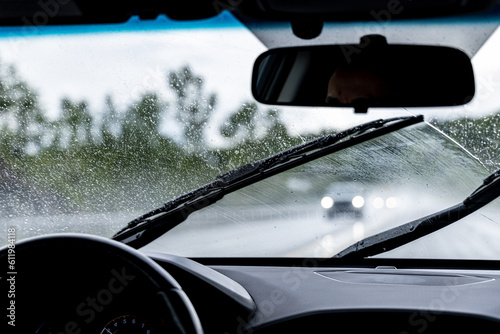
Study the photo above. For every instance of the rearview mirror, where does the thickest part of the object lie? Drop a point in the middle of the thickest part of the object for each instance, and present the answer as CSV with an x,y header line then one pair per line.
x,y
365,75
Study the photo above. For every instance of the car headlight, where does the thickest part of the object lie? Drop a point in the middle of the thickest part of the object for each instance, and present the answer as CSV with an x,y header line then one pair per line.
x,y
378,203
358,202
327,202
391,202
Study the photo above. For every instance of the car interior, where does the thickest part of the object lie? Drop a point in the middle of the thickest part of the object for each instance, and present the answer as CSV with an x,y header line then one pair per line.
x,y
78,283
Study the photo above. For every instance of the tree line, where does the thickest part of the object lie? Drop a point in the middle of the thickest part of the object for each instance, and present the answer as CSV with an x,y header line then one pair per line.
x,y
122,152
475,135
114,158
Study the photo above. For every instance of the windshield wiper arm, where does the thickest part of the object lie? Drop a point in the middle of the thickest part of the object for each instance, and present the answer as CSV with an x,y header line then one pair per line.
x,y
400,235
149,226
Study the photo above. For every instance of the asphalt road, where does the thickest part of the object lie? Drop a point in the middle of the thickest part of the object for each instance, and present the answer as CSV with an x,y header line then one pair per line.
x,y
311,234
296,232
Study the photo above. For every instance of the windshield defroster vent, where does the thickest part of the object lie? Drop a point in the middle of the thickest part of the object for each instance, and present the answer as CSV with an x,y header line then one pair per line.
x,y
401,277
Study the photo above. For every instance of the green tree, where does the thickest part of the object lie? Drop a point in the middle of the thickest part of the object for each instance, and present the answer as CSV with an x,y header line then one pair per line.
x,y
111,126
474,134
78,119
142,121
193,107
242,123
249,141
277,133
241,127
20,103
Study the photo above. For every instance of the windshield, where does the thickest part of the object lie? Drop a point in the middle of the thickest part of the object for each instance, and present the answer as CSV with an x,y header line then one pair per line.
x,y
103,123
321,207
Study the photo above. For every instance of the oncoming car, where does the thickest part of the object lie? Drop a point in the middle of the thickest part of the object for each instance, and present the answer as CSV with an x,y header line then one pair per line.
x,y
344,198
172,167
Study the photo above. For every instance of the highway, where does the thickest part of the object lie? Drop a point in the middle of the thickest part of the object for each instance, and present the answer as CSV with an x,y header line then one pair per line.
x,y
309,233
294,231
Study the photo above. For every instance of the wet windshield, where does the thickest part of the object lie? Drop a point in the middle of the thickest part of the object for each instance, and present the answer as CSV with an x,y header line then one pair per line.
x,y
321,207
101,124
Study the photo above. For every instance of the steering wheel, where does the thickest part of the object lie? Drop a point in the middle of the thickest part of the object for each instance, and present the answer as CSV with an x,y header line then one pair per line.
x,y
49,271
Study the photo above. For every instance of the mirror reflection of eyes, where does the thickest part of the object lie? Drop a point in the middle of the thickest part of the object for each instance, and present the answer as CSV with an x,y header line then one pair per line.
x,y
347,84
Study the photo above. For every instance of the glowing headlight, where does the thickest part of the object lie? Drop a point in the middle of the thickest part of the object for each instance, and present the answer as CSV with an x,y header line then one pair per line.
x,y
327,202
391,202
378,203
358,202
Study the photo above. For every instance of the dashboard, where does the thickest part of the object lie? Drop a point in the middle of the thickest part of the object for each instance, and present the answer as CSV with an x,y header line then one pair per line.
x,y
86,284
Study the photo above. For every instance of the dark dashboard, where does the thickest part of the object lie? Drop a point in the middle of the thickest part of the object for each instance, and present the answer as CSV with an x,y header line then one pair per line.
x,y
316,296
84,284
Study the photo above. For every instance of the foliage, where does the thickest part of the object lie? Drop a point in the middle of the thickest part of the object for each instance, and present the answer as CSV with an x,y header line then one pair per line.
x,y
192,108
122,159
475,136
115,159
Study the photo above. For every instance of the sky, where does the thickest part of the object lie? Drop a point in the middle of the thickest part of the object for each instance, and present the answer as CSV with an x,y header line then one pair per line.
x,y
127,64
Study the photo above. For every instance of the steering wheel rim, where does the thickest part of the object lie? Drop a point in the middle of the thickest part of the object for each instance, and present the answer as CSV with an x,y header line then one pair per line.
x,y
79,252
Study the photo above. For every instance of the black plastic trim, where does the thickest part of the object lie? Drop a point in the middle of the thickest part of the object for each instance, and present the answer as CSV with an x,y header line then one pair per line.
x,y
361,263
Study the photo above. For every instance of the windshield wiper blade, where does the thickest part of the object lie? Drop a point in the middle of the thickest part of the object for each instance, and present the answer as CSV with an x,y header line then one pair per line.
x,y
401,235
149,226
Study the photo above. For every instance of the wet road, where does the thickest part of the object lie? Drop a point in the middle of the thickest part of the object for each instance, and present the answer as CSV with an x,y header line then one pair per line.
x,y
311,234
301,232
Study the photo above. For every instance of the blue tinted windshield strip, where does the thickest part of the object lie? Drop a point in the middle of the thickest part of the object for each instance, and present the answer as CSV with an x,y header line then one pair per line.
x,y
224,20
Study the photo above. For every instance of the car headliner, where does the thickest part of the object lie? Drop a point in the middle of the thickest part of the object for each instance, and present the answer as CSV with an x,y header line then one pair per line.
x,y
93,11
375,14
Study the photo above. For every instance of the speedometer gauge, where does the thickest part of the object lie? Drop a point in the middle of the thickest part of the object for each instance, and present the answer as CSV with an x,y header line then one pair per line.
x,y
127,324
